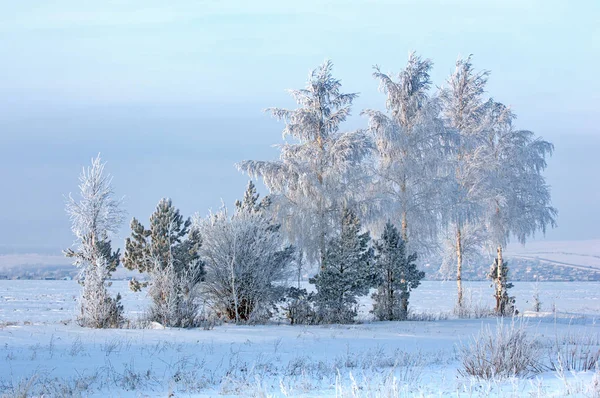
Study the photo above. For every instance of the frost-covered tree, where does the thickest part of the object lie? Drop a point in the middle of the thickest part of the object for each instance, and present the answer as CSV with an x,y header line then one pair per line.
x,y
518,202
396,275
169,253
95,216
346,272
464,189
246,259
408,140
318,173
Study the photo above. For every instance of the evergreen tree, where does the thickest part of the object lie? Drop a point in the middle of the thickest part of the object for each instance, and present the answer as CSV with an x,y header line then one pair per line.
x,y
345,273
170,240
396,275
169,252
505,304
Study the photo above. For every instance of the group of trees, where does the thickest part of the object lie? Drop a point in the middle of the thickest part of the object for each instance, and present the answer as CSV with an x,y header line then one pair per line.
x,y
450,169
442,174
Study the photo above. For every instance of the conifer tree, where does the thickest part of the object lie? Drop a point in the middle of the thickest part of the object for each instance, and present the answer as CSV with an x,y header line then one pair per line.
x,y
396,275
346,272
169,240
169,252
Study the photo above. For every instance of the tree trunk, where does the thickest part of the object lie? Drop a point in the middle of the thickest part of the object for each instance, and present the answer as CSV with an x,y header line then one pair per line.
x,y
499,281
390,298
459,267
404,227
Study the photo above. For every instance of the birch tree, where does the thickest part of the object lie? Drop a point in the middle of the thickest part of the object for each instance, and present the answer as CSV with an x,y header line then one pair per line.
x,y
409,152
319,171
465,188
518,197
95,216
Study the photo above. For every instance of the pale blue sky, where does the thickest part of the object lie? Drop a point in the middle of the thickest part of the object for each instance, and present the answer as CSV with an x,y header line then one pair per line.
x,y
171,93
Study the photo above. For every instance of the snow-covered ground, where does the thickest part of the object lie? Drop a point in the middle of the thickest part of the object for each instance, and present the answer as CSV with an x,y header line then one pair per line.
x,y
42,351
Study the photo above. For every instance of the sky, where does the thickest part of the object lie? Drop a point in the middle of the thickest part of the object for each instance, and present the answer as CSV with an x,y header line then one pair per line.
x,y
171,93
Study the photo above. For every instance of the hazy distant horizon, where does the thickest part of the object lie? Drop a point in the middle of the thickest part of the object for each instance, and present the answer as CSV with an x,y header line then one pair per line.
x,y
172,96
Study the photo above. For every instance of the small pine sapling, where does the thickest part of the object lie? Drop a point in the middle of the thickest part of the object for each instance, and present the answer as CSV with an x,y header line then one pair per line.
x,y
346,273
396,275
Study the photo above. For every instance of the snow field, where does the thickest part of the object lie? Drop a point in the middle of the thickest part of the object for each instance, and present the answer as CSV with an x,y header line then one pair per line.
x,y
42,352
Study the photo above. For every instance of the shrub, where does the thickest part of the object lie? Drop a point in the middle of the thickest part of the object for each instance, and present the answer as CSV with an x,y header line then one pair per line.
x,y
507,351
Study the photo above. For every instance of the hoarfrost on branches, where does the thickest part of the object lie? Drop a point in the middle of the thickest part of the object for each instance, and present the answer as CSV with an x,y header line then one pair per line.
x,y
320,172
247,260
95,217
408,140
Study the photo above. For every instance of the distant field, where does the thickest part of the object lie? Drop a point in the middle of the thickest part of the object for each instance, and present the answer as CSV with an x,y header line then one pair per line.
x,y
584,254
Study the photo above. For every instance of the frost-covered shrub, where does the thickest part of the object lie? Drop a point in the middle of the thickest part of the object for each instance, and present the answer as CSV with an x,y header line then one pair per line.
x,y
175,297
97,308
245,257
507,351
346,273
575,352
299,307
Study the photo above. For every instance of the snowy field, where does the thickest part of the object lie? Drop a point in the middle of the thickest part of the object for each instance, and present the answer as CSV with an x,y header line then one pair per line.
x,y
43,352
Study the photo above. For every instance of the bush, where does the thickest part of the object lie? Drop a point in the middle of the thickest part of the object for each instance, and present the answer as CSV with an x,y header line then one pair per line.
x,y
245,255
175,297
97,308
575,352
298,307
504,352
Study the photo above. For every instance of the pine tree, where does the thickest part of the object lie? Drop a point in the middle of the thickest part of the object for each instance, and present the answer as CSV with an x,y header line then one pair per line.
x,y
96,216
169,240
346,272
505,304
396,275
169,252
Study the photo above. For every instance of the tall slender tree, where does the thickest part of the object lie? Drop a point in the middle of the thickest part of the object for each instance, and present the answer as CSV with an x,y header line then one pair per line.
x,y
319,171
464,111
408,139
518,197
95,216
